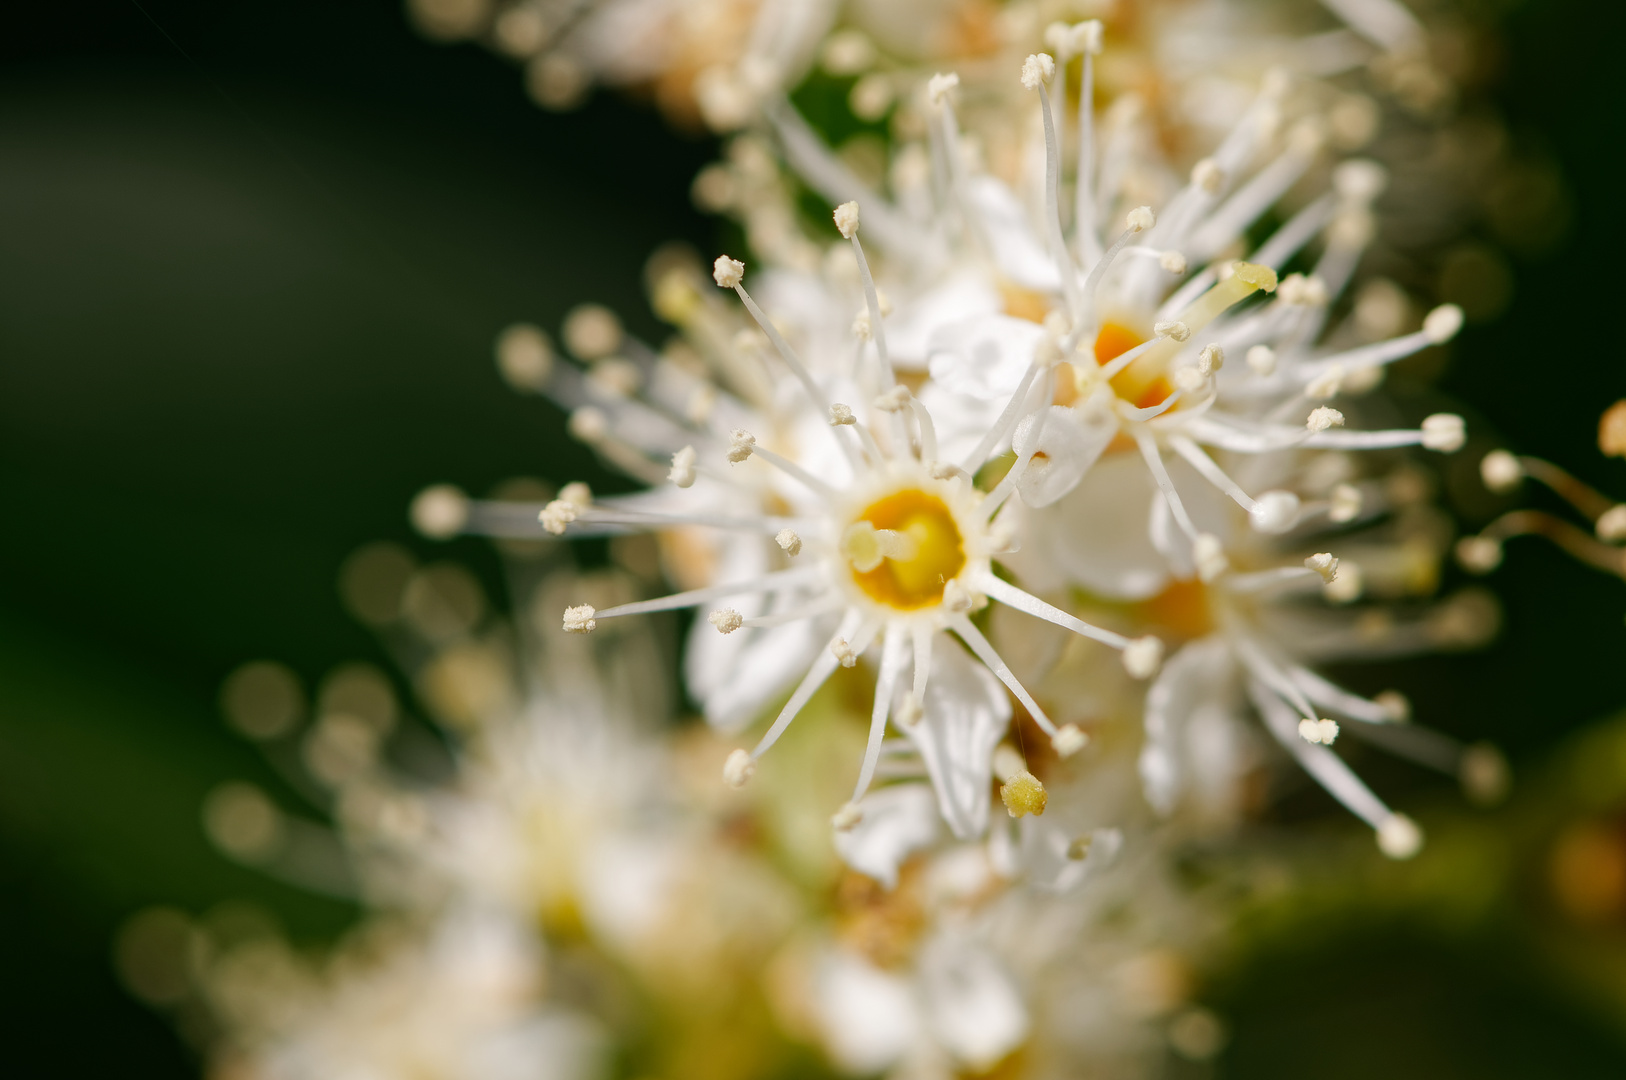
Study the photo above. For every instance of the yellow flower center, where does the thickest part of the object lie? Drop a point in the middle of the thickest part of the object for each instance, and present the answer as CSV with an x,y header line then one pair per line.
x,y
904,549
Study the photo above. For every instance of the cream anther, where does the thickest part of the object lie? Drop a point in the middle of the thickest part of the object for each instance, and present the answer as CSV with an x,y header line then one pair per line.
x,y
1323,417
1140,219
727,273
1068,740
1501,471
1190,379
1037,70
1058,36
440,512
788,542
1444,432
1207,175
938,87
726,620
738,769
1344,504
893,400
577,494
1324,732
1172,328
556,515
1479,554
1274,512
1359,180
1611,526
847,817
1399,837
588,425
843,652
739,445
1209,555
863,330
1324,564
840,414
846,216
1211,359
1442,324
1143,656
524,357
682,472
1173,262
579,620
1261,360
1326,385
1395,704
1086,37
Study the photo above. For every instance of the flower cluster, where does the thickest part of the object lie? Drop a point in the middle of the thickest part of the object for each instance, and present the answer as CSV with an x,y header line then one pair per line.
x,y
1019,503
1018,404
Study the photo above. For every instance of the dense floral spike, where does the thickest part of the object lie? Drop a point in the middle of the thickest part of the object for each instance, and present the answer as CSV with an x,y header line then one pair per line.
x,y
1040,373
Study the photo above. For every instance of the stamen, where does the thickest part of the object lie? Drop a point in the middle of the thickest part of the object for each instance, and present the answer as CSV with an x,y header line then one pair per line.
x,y
779,581
846,217
742,444
1023,794
1003,425
738,769
1013,597
979,645
726,620
730,274
1154,462
682,473
1211,472
824,664
1088,40
1322,764
894,654
1052,193
923,662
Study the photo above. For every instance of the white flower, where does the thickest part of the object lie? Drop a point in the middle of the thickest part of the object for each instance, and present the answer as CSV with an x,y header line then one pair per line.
x,y
897,550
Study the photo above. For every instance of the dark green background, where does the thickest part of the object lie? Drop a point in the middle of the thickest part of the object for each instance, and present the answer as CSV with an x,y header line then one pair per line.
x,y
252,258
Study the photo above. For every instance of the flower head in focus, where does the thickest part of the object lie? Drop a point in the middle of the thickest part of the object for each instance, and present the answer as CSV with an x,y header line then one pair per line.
x,y
882,537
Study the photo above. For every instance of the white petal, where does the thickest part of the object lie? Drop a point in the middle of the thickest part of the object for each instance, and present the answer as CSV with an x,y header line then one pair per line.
x,y
971,1002
1068,444
897,820
1016,247
985,356
868,1015
910,330
966,713
1049,857
1192,677
1096,535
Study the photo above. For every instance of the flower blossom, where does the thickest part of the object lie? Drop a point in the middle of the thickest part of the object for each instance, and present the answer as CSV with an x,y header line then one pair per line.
x,y
895,546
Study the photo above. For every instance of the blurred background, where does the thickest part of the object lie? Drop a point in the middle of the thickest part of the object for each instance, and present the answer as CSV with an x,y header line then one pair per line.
x,y
252,260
